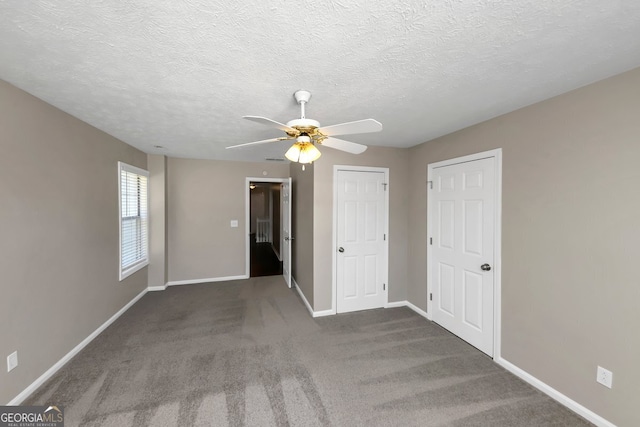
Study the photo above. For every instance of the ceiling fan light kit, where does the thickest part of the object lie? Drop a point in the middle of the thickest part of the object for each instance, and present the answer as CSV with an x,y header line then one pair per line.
x,y
307,133
303,152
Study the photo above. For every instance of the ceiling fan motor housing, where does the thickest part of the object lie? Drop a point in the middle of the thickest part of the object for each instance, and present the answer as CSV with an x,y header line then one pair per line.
x,y
304,125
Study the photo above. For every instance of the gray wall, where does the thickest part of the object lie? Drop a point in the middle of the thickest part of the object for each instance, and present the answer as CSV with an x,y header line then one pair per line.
x,y
157,166
302,267
396,160
203,197
570,233
59,240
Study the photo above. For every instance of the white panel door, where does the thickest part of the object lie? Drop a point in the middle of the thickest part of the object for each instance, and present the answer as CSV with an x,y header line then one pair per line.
x,y
285,247
463,205
361,251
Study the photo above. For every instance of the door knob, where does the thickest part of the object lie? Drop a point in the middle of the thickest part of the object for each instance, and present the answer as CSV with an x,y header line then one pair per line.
x,y
340,249
485,267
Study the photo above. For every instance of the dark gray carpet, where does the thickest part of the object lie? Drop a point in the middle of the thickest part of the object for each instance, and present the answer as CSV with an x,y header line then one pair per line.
x,y
248,353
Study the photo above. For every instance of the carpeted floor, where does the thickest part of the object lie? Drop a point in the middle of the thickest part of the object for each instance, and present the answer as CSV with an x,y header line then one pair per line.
x,y
248,353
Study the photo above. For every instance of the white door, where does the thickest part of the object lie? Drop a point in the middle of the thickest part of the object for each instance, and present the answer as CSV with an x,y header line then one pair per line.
x,y
463,208
285,247
361,261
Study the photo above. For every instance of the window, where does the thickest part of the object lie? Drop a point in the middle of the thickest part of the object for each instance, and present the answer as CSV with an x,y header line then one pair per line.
x,y
134,219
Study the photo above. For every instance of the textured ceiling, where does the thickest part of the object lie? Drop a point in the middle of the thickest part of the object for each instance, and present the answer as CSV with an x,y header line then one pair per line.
x,y
181,74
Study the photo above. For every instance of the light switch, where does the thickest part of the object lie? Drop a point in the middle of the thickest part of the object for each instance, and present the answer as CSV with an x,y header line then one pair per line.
x,y
234,223
12,361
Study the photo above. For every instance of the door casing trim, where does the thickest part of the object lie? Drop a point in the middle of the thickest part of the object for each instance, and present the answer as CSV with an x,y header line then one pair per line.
x,y
334,246
497,250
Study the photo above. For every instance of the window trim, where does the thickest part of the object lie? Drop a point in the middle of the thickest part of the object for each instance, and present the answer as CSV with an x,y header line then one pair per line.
x,y
124,273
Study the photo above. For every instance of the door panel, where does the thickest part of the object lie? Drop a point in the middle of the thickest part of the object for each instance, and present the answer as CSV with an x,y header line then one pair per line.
x,y
463,232
447,210
447,289
371,274
472,299
472,213
360,232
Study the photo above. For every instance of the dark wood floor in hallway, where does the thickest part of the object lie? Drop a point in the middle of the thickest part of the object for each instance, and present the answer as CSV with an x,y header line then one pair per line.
x,y
264,261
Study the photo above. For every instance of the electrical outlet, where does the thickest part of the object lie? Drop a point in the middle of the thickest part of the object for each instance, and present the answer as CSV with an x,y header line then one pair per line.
x,y
12,361
604,377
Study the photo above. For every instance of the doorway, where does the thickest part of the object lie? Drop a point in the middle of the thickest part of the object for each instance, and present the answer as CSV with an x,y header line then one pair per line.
x,y
463,259
267,227
360,232
264,229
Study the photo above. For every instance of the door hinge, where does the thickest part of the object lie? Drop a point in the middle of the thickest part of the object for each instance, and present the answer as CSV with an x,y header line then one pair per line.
x,y
385,237
430,297
384,286
430,183
431,240
384,184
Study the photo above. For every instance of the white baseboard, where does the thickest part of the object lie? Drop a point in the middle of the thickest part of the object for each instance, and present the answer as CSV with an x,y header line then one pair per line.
x,y
304,299
323,313
195,281
396,304
210,279
555,394
60,363
418,310
306,303
330,312
413,307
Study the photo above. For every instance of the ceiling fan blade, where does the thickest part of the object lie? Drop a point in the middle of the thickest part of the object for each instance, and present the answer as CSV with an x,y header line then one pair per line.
x,y
264,141
269,122
342,145
359,126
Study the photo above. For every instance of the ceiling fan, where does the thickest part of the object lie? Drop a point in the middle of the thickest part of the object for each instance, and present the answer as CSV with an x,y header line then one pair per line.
x,y
307,133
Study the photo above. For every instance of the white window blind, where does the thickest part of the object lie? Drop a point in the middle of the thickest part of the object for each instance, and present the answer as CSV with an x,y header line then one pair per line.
x,y
134,219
